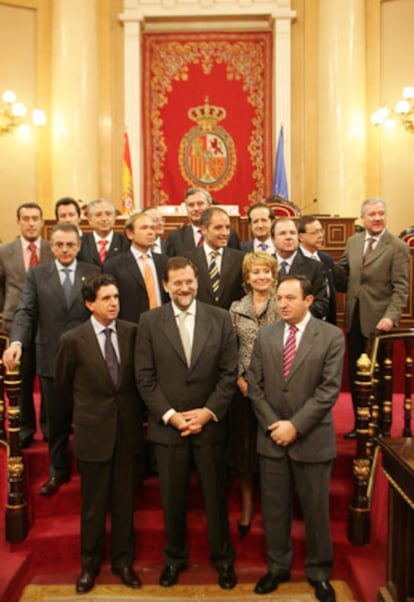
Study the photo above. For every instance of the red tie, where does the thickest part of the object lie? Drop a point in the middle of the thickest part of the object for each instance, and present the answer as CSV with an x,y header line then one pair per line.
x,y
201,239
289,351
34,260
102,249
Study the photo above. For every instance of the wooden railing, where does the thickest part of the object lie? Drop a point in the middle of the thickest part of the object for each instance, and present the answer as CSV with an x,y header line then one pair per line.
x,y
375,378
16,514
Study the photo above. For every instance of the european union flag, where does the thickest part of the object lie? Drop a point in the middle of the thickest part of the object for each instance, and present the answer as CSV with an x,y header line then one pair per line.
x,y
279,179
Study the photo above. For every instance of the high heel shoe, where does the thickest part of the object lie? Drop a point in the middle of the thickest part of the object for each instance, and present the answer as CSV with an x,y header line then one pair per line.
x,y
244,529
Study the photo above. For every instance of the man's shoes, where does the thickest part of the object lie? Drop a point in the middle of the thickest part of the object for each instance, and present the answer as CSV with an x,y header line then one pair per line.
x,y
86,581
351,435
26,442
226,576
323,590
169,574
269,582
128,576
53,484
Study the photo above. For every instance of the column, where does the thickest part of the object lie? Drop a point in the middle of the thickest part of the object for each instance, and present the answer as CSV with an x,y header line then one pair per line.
x,y
75,99
342,111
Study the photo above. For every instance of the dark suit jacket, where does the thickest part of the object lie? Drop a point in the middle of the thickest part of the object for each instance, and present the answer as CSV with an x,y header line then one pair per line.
x,y
380,284
82,379
132,292
165,381
329,268
181,241
42,311
247,246
89,252
13,274
306,397
230,277
313,270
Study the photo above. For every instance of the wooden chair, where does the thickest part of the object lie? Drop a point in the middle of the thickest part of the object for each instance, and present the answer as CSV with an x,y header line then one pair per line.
x,y
282,207
408,236
374,420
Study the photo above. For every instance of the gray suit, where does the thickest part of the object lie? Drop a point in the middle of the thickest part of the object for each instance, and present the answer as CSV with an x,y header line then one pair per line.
x,y
165,381
42,313
306,399
12,276
377,288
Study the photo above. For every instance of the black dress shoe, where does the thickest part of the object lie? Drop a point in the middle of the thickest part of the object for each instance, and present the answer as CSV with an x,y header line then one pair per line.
x,y
53,484
169,574
85,582
226,576
128,576
269,582
351,435
323,590
26,442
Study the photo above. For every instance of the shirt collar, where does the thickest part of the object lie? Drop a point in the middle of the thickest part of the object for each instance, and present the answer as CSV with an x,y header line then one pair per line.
x,y
289,260
71,266
302,324
98,327
191,309
26,242
109,237
138,254
209,250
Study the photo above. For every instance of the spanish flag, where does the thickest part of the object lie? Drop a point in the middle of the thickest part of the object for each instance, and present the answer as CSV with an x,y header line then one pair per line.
x,y
127,184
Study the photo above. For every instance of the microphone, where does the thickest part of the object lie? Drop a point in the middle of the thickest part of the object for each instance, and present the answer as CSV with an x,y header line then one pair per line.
x,y
309,205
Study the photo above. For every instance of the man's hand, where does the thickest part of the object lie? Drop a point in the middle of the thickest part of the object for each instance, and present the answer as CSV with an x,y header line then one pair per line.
x,y
282,432
196,419
12,355
385,325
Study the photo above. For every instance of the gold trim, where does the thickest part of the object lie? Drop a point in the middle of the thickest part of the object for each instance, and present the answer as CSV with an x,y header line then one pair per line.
x,y
405,497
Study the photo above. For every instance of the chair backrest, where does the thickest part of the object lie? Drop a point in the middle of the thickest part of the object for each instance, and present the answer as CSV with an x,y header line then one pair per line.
x,y
408,236
282,207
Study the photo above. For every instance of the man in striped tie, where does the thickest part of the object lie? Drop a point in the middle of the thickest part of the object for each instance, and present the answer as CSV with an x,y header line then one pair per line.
x,y
294,380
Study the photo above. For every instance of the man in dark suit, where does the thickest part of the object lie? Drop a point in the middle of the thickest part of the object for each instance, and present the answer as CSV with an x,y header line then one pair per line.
x,y
294,380
292,261
51,303
103,243
222,285
95,375
129,270
186,370
16,258
190,237
311,238
260,219
375,277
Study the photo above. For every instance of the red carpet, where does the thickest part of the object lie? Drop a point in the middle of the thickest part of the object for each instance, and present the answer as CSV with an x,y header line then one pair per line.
x,y
50,554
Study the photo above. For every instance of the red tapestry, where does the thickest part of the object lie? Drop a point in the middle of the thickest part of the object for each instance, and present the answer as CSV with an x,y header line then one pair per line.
x,y
207,116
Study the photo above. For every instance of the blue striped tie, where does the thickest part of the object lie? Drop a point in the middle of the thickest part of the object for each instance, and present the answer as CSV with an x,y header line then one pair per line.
x,y
214,274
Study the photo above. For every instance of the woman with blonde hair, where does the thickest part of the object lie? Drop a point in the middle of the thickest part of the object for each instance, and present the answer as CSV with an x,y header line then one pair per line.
x,y
256,309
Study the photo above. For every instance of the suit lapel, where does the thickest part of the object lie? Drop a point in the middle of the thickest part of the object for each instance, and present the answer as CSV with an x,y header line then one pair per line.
x,y
189,237
202,329
96,356
380,248
307,342
55,284
134,270
170,330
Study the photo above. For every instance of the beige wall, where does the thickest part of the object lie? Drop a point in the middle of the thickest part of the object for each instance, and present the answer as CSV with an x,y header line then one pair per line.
x,y
26,40
18,177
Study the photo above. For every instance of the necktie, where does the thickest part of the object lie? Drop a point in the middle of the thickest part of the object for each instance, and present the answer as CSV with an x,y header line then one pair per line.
x,y
34,260
283,270
102,249
264,246
214,274
289,351
149,283
185,336
369,247
110,357
67,285
201,239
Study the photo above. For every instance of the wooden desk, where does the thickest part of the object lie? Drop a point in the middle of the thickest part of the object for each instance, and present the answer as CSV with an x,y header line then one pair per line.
x,y
398,466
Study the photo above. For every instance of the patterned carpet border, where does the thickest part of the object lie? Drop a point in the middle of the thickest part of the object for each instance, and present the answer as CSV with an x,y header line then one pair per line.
x,y
287,592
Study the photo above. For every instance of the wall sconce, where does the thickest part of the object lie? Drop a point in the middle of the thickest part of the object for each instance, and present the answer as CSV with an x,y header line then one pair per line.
x,y
13,114
402,112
